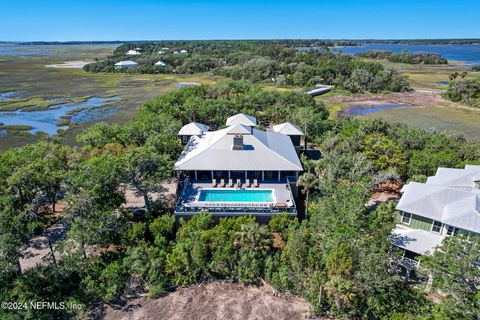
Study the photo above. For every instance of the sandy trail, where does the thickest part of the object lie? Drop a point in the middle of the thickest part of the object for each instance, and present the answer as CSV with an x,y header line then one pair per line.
x,y
423,98
77,64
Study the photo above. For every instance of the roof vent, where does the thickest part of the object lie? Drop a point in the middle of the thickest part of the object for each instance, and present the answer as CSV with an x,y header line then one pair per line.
x,y
238,143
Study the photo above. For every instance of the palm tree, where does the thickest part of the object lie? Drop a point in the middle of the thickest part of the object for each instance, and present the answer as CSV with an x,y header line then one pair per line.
x,y
308,182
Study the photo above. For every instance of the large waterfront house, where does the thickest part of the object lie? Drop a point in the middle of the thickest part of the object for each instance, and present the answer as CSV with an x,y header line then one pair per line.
x,y
447,204
237,170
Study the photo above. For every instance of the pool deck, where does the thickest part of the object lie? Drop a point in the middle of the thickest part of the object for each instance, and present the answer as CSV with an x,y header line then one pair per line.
x,y
282,196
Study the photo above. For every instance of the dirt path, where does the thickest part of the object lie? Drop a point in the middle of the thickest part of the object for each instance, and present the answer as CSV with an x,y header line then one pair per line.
x,y
38,247
78,64
215,301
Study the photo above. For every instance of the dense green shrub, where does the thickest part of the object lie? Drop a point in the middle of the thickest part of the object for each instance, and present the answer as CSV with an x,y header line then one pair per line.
x,y
404,57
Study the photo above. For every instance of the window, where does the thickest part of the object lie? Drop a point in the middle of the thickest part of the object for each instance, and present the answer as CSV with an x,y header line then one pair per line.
x,y
185,139
451,230
436,226
406,217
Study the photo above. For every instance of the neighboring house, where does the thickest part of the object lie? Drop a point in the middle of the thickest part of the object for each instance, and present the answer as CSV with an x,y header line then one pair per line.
x,y
183,51
133,52
160,64
291,130
447,204
125,64
161,52
176,52
191,129
236,170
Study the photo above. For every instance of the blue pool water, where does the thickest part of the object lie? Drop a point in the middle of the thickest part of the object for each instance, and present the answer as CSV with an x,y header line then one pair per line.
x,y
236,196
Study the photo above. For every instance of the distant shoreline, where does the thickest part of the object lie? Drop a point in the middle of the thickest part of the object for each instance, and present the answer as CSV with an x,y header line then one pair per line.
x,y
348,42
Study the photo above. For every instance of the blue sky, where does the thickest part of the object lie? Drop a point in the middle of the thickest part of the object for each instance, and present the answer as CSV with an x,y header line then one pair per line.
x,y
213,19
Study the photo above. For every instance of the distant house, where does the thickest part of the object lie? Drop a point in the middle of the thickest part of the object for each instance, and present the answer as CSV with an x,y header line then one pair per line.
x,y
291,130
236,170
161,52
447,204
165,49
133,52
191,129
176,52
160,63
184,52
125,64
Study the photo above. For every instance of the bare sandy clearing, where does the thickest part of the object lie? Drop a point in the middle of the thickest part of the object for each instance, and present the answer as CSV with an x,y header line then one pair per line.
x,y
417,98
215,301
78,64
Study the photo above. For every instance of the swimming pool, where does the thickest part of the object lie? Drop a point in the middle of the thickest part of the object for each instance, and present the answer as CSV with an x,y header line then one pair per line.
x,y
232,195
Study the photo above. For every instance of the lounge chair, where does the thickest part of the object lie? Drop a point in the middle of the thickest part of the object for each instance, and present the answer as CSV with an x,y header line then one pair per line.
x,y
255,183
247,183
222,183
239,183
214,183
230,183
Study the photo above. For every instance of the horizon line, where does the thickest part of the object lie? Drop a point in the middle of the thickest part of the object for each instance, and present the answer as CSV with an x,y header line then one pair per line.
x,y
240,39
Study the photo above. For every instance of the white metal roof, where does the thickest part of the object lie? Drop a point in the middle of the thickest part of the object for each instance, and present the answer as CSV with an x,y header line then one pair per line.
x,y
461,178
183,51
193,129
263,151
126,63
450,205
242,119
239,129
415,240
133,52
289,129
160,63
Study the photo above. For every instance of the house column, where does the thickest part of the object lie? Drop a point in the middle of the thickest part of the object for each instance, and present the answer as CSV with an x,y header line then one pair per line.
x,y
278,176
245,175
196,175
228,174
263,175
212,176
296,174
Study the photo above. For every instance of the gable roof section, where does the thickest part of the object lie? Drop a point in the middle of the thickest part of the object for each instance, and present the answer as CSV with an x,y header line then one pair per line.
x,y
192,129
459,178
239,129
213,151
452,206
288,129
241,118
